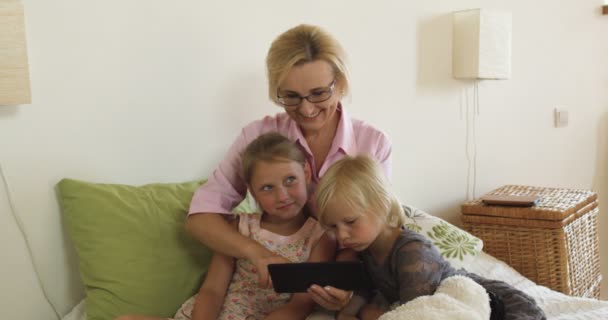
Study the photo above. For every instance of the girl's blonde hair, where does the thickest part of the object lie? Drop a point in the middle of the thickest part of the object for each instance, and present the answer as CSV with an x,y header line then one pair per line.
x,y
360,184
270,147
299,45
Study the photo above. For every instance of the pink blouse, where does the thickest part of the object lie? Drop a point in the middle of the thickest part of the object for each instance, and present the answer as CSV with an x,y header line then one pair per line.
x,y
226,188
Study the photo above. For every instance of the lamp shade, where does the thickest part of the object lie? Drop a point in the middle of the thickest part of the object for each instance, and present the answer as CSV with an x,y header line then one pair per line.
x,y
481,45
14,71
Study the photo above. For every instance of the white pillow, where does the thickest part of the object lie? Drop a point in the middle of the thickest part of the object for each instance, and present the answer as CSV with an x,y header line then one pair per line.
x,y
457,246
78,313
457,298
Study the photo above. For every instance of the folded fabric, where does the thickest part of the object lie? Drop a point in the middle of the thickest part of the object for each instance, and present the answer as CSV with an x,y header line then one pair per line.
x,y
457,298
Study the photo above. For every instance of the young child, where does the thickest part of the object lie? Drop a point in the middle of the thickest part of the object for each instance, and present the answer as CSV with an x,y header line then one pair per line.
x,y
355,204
277,176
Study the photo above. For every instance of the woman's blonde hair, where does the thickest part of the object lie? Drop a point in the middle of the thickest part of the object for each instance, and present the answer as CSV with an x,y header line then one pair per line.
x,y
270,147
360,184
303,44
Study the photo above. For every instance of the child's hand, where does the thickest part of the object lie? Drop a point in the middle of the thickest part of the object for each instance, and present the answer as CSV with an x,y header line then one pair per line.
x,y
329,297
371,312
346,317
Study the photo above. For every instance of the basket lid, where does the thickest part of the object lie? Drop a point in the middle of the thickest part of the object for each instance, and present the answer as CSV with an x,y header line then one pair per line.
x,y
555,204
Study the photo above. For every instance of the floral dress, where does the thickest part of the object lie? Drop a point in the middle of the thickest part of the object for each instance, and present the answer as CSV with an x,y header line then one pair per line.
x,y
245,300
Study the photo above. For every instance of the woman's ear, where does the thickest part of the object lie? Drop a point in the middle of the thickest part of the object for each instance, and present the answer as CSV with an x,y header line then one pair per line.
x,y
339,89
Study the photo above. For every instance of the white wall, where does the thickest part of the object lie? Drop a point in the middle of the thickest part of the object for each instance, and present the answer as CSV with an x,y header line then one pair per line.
x,y
146,91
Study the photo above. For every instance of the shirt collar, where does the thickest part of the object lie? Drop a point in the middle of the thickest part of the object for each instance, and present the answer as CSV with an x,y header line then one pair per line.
x,y
345,138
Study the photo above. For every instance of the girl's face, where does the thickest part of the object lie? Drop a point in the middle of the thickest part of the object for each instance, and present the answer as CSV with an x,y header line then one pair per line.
x,y
280,187
355,229
310,79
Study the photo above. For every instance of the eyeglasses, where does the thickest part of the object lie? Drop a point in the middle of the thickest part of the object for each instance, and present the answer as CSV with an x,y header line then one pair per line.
x,y
292,99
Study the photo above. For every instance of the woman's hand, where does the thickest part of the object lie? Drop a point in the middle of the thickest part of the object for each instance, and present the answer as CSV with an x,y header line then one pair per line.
x,y
261,258
329,297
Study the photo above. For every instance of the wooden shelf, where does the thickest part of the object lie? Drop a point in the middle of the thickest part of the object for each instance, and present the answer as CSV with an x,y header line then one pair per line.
x,y
605,9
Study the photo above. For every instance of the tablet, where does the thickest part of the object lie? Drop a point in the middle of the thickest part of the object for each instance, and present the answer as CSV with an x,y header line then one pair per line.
x,y
509,200
298,277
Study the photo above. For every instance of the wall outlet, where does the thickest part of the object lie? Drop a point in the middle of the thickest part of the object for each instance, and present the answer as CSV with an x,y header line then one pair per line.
x,y
560,117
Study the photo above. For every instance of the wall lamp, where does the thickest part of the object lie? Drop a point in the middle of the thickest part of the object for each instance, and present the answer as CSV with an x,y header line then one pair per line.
x,y
14,71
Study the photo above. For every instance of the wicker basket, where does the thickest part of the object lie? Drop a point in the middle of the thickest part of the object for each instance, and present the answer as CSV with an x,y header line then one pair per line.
x,y
554,243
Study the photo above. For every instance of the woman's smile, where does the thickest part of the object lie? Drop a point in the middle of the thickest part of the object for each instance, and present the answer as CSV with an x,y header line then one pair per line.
x,y
311,116
305,80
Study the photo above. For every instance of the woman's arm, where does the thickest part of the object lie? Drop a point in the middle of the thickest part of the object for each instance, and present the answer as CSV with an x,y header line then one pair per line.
x,y
214,201
217,233
301,304
211,295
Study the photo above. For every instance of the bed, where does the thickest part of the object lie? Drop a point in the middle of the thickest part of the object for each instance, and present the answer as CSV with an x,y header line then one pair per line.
x,y
557,306
84,202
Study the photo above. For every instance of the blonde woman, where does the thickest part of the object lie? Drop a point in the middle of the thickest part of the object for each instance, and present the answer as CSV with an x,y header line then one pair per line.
x,y
307,79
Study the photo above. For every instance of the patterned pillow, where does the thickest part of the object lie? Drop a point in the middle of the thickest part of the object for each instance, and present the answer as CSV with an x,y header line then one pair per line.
x,y
456,245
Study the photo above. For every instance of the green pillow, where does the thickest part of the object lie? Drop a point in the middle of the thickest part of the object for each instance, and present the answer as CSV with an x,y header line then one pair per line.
x,y
135,256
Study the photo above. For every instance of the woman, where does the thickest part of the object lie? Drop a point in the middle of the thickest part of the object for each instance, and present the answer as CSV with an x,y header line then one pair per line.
x,y
307,77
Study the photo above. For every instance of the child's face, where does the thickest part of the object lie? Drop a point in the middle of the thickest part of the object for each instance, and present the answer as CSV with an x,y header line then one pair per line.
x,y
280,187
355,229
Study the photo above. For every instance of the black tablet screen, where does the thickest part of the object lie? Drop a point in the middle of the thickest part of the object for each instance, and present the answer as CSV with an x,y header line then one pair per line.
x,y
298,277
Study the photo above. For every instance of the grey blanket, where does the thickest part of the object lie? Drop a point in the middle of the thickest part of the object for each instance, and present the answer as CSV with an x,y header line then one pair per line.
x,y
512,304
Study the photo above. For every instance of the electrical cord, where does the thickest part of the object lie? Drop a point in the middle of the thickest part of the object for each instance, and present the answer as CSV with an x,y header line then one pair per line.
x,y
471,112
21,228
476,106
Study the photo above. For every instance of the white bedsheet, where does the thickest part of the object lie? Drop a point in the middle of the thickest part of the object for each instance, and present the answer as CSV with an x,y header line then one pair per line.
x,y
78,313
557,306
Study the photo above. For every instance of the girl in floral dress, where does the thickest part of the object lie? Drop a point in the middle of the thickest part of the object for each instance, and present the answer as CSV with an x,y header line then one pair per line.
x,y
277,176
